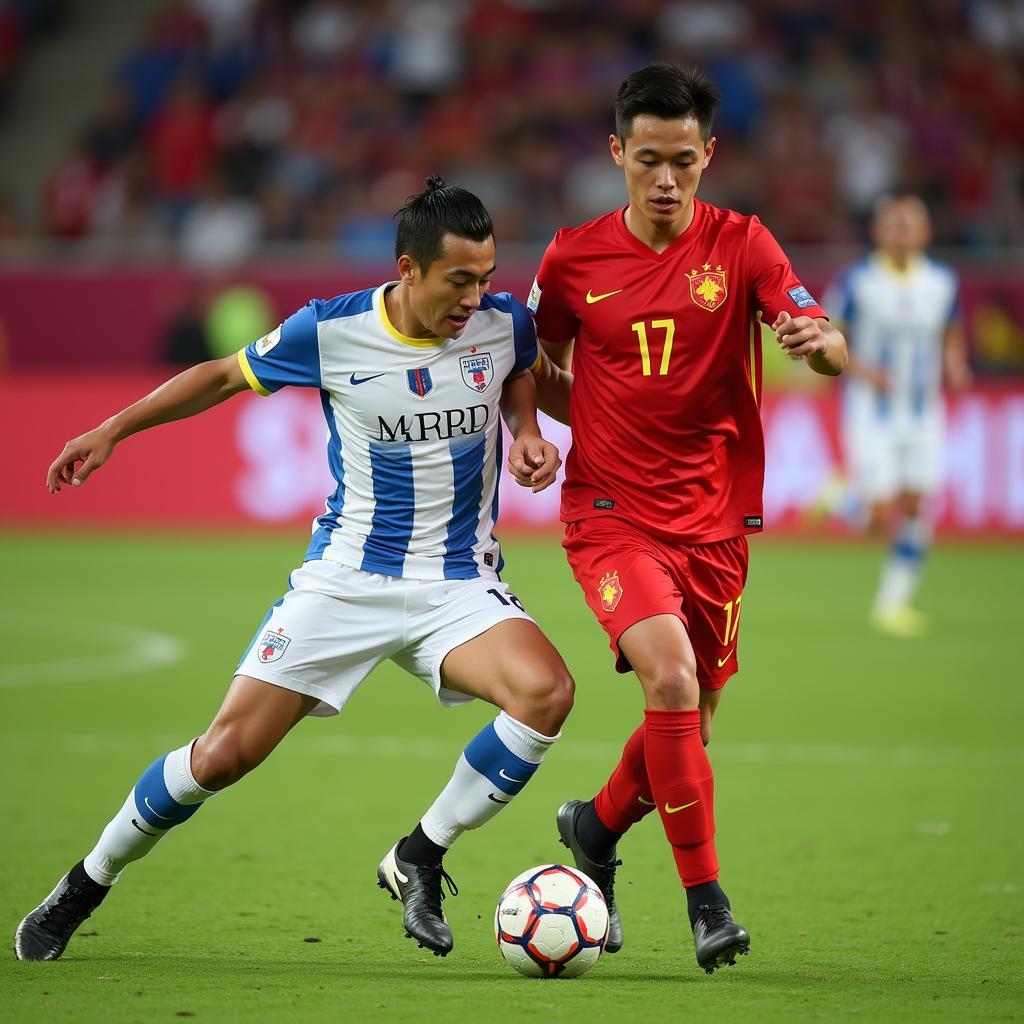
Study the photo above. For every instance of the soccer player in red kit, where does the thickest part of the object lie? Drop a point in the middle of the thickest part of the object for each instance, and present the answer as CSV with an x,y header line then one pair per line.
x,y
656,306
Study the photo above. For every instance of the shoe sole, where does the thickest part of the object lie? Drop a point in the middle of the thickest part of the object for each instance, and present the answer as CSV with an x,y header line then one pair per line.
x,y
726,958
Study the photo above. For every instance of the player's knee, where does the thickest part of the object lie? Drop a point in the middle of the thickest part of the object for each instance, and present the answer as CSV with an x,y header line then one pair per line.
x,y
672,686
220,758
544,702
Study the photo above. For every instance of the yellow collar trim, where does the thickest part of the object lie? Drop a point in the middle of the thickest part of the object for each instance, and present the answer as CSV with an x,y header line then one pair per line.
x,y
396,334
888,264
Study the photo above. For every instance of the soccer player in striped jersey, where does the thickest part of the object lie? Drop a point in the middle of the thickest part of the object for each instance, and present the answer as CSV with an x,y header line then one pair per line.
x,y
414,377
900,309
656,305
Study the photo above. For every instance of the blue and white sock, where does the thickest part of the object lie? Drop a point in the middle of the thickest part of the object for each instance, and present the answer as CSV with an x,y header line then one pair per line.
x,y
903,566
497,764
166,795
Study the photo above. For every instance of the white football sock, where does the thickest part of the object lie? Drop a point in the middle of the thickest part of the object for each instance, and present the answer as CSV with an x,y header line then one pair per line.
x,y
901,572
166,795
495,766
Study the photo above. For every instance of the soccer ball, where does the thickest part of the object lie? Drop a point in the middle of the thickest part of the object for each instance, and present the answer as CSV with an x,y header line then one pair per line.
x,y
551,922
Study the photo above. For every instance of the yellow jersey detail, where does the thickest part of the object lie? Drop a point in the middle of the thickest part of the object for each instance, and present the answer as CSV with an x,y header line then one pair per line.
x,y
397,334
592,298
250,378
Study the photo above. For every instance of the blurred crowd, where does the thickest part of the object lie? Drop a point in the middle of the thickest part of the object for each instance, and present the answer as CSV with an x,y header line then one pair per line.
x,y
238,122
22,23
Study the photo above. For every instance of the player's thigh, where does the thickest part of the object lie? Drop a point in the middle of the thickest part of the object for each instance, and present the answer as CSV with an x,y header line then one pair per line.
x,y
920,470
662,656
625,580
327,633
253,719
474,639
871,449
716,577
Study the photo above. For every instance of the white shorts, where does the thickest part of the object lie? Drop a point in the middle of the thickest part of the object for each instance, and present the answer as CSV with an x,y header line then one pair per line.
x,y
336,624
886,460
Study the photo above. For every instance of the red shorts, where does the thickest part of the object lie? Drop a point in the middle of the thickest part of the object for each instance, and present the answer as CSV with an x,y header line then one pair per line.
x,y
627,576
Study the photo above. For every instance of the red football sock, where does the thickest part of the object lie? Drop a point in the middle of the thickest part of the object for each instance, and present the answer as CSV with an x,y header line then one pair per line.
x,y
683,787
626,796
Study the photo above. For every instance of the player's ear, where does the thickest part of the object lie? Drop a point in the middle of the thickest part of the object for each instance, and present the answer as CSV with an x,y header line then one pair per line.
x,y
616,148
709,149
406,267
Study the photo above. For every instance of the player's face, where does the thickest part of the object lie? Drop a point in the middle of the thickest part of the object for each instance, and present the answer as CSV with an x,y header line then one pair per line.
x,y
663,161
902,227
449,293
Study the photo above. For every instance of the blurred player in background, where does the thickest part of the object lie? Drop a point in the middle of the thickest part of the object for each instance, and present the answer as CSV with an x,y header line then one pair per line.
x,y
655,305
900,310
413,376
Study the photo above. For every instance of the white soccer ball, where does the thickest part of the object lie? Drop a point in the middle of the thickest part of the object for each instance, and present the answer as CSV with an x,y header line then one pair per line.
x,y
551,922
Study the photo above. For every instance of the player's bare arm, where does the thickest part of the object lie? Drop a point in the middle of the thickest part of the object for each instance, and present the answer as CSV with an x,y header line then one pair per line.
x,y
954,357
814,339
193,391
532,460
560,353
553,386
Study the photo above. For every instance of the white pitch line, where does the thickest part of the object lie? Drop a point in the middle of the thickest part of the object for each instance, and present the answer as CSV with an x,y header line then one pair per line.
x,y
138,650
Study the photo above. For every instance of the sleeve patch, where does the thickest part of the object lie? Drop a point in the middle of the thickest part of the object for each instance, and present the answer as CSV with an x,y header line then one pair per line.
x,y
801,297
533,302
264,345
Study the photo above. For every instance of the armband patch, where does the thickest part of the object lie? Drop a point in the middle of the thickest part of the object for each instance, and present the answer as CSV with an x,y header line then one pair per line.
x,y
801,297
533,301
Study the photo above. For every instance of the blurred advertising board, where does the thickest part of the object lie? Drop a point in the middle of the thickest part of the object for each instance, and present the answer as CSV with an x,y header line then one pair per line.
x,y
260,462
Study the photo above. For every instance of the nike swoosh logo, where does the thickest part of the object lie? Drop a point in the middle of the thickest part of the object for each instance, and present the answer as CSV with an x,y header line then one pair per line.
x,y
649,803
592,298
141,829
491,796
362,380
145,800
722,661
501,772
682,807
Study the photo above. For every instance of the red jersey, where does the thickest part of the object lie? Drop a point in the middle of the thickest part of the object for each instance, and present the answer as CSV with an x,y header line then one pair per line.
x,y
667,368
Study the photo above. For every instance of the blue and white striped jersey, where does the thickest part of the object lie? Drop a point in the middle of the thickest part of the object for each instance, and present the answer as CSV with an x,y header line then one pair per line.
x,y
414,432
895,321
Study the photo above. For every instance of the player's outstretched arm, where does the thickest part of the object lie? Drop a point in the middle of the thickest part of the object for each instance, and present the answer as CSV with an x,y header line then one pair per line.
x,y
813,339
553,386
533,461
192,391
954,357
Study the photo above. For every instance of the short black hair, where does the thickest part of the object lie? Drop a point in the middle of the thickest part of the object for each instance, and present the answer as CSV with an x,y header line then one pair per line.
x,y
669,92
436,211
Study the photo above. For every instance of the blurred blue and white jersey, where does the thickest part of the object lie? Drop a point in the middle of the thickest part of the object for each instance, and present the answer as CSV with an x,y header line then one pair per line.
x,y
895,321
414,432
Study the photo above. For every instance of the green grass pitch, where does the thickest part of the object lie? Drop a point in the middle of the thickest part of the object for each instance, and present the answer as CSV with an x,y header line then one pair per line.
x,y
868,801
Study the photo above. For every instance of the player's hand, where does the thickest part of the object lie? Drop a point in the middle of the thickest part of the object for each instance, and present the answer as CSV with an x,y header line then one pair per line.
x,y
798,337
91,450
533,461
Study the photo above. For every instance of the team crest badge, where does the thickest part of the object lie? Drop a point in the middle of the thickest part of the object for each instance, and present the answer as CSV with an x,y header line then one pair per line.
x,y
273,645
707,286
264,345
610,591
477,371
420,383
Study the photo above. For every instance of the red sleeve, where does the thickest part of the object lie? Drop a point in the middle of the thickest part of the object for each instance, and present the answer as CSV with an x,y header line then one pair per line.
x,y
776,287
548,303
